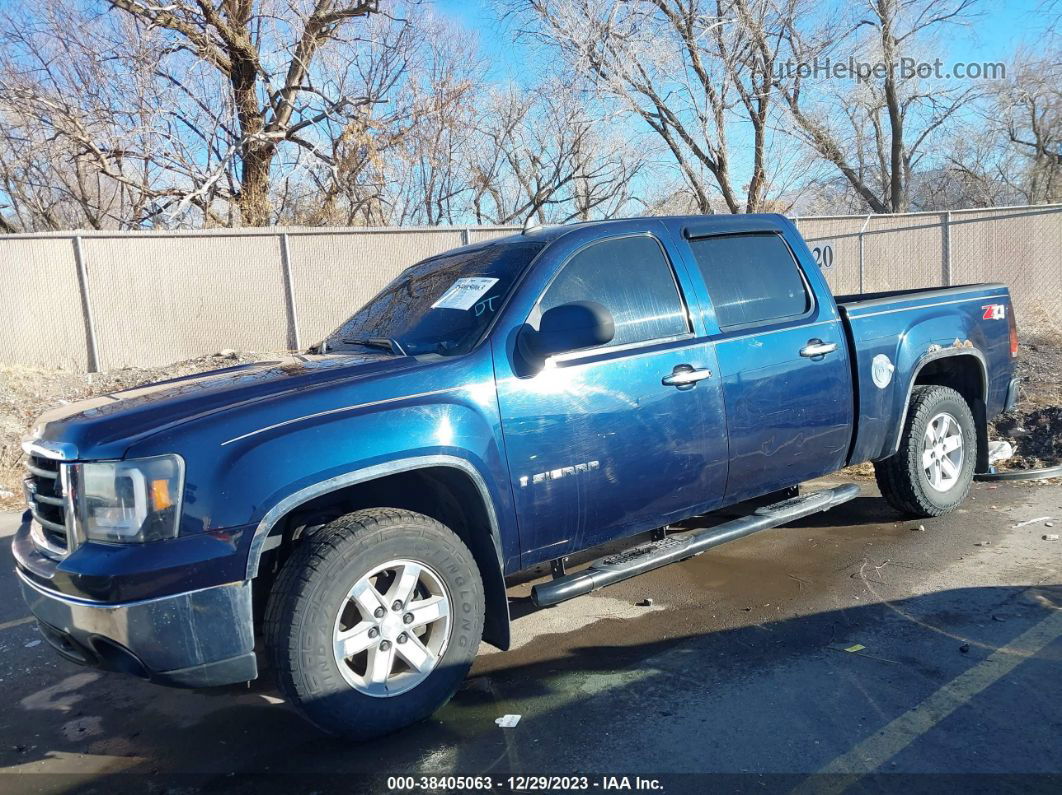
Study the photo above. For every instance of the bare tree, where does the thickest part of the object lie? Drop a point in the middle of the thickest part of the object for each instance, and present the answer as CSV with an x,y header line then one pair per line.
x,y
76,108
1009,151
539,153
263,53
876,132
344,171
159,114
977,169
1029,109
1052,9
219,114
111,122
689,70
425,177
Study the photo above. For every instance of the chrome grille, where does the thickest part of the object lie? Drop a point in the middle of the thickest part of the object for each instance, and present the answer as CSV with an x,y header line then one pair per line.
x,y
44,494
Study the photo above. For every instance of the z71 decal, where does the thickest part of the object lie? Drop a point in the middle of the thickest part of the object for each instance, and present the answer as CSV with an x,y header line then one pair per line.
x,y
994,311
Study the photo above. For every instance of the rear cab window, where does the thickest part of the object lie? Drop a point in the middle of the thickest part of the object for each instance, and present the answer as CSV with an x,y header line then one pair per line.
x,y
752,279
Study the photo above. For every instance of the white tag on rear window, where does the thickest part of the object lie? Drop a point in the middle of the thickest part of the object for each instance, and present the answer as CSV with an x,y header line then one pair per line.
x,y
464,293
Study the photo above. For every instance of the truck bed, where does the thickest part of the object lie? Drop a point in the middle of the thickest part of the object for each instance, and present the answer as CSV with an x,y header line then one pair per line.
x,y
893,296
908,329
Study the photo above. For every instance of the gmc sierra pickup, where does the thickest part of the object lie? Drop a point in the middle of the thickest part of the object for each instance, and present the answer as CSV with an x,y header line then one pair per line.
x,y
356,508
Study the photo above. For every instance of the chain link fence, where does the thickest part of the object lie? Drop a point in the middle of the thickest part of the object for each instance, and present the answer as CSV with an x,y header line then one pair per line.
x,y
1019,246
93,301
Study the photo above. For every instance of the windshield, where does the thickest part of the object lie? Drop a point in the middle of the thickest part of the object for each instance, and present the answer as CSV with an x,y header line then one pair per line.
x,y
441,305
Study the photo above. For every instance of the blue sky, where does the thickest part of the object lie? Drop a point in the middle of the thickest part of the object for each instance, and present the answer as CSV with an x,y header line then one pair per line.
x,y
992,36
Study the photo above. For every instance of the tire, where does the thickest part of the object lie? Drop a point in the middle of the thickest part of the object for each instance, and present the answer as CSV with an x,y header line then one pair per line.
x,y
904,480
311,601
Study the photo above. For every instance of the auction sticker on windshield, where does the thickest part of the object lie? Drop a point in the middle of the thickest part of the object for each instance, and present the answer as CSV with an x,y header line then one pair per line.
x,y
464,293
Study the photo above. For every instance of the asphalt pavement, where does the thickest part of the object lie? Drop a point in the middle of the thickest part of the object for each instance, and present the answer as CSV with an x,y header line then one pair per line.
x,y
853,650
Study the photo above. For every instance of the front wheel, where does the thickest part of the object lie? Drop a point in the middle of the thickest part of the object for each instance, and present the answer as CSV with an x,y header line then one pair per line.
x,y
932,471
374,621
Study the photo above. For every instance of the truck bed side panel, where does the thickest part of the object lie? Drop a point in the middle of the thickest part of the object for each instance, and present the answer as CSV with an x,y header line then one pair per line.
x,y
911,329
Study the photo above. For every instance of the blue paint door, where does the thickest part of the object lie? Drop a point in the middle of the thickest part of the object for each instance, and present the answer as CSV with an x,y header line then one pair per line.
x,y
783,361
598,445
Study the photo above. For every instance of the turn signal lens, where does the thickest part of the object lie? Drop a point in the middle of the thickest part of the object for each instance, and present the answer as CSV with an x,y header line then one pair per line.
x,y
160,494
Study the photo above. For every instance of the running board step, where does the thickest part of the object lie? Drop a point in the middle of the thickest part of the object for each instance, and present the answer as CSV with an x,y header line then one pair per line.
x,y
680,546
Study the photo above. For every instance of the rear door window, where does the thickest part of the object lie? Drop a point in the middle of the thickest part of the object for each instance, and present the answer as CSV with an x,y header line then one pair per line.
x,y
629,276
751,279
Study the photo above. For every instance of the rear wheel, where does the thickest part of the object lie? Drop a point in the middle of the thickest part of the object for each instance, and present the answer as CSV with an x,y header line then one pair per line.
x,y
374,621
932,471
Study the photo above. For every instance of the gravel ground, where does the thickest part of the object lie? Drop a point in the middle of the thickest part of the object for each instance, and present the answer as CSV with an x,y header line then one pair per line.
x,y
876,653
1035,425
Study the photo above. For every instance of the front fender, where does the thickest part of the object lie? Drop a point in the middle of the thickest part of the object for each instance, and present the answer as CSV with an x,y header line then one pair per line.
x,y
363,475
244,465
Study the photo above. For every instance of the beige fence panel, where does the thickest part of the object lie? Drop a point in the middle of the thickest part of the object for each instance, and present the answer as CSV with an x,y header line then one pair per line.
x,y
904,252
161,299
479,234
43,322
95,300
878,252
835,242
335,274
1022,248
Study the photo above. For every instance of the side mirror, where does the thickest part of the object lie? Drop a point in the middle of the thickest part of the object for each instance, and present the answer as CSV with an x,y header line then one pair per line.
x,y
570,327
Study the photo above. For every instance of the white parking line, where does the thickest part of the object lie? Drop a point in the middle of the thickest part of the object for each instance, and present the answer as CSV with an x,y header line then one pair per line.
x,y
18,622
875,751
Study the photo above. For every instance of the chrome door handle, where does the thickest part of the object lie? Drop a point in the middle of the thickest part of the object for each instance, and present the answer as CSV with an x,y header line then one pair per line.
x,y
685,376
816,348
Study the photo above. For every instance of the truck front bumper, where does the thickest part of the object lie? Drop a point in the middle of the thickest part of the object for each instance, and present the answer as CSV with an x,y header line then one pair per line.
x,y
200,638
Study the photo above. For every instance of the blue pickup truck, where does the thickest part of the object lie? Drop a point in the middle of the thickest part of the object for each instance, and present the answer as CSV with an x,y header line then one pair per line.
x,y
351,513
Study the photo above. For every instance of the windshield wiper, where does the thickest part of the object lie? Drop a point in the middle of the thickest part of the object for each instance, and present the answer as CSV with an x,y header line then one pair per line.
x,y
386,343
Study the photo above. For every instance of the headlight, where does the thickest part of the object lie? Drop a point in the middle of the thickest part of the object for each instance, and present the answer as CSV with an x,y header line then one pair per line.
x,y
130,501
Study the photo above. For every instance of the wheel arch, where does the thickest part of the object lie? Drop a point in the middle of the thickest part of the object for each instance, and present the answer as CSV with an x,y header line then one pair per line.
x,y
447,488
966,371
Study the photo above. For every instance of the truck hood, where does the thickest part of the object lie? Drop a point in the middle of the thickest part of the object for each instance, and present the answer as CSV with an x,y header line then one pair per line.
x,y
105,426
